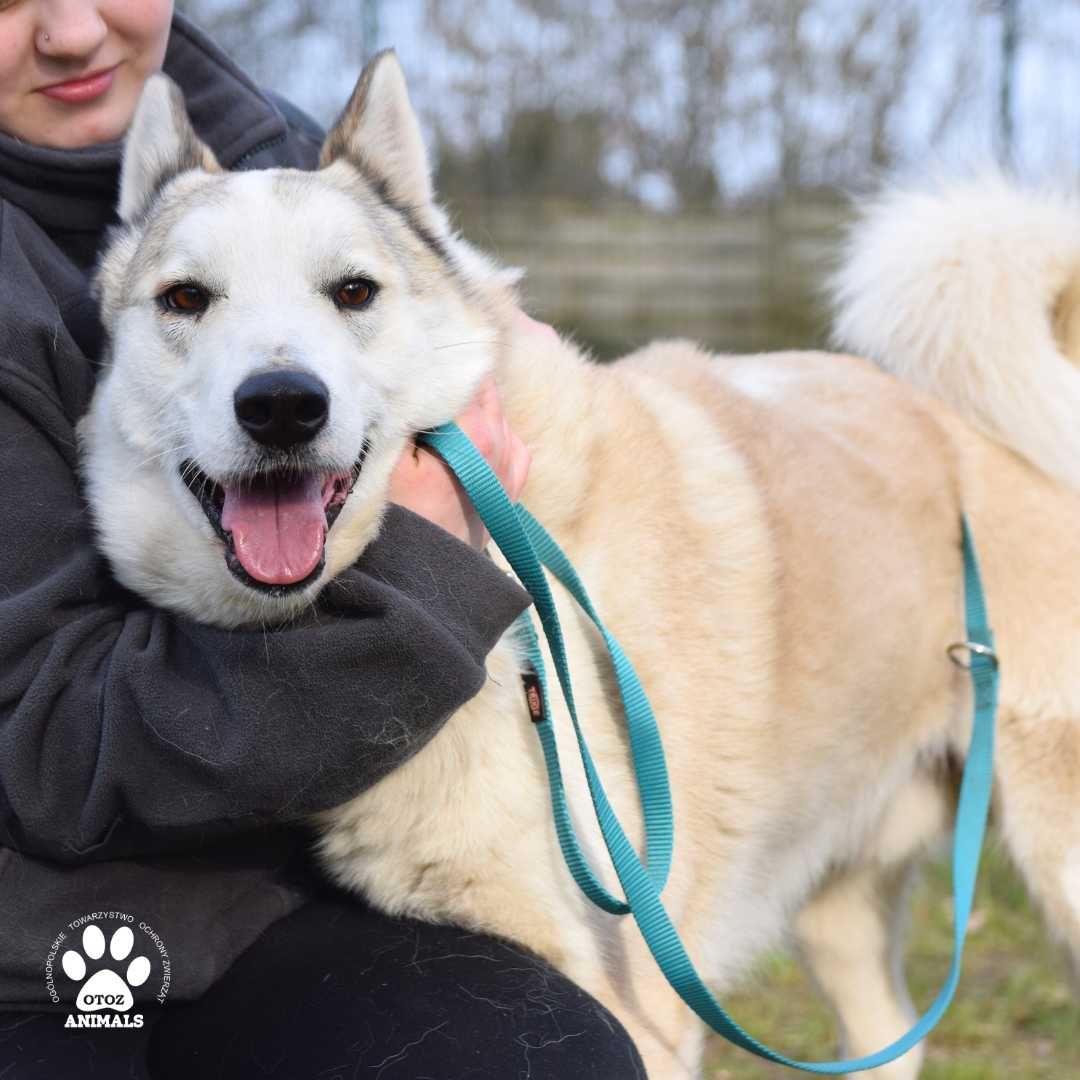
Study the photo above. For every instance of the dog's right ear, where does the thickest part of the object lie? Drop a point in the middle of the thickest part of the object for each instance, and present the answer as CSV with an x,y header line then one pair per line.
x,y
160,144
379,133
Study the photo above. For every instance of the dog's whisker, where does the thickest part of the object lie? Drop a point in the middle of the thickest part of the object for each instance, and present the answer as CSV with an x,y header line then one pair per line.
x,y
155,457
189,472
458,344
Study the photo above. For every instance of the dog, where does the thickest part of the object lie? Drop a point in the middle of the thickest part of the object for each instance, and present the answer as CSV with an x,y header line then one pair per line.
x,y
775,541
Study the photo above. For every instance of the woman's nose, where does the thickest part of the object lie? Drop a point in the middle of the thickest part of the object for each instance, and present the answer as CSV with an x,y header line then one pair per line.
x,y
70,29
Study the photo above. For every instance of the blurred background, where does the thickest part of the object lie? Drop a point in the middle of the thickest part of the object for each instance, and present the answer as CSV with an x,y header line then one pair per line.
x,y
667,168
680,166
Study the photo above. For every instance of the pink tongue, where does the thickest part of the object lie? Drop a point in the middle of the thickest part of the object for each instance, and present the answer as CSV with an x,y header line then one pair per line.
x,y
278,528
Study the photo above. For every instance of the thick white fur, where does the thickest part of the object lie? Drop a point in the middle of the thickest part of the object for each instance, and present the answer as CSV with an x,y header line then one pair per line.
x,y
774,540
969,289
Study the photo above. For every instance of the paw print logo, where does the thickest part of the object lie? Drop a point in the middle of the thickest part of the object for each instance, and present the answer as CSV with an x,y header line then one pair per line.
x,y
105,989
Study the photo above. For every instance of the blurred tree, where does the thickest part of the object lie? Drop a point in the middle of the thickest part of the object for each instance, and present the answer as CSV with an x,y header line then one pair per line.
x,y
311,50
611,59
235,24
540,152
1010,40
813,85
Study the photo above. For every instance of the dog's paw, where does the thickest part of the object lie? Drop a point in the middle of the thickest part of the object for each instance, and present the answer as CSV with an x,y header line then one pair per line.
x,y
105,989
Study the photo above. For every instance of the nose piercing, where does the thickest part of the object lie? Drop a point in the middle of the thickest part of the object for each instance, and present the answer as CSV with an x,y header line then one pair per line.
x,y
45,35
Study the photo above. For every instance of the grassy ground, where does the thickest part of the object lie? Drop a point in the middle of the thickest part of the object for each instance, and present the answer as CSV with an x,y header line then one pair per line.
x,y
1013,1018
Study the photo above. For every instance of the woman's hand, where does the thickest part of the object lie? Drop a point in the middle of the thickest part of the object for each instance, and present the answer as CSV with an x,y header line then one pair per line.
x,y
422,482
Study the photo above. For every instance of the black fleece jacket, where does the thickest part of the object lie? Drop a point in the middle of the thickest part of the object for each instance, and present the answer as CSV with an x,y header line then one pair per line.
x,y
148,764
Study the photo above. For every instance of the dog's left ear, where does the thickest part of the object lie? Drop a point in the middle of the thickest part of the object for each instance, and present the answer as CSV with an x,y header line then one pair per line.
x,y
160,144
379,133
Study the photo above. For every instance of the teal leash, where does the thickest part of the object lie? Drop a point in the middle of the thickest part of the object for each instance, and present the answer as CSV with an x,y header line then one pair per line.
x,y
528,548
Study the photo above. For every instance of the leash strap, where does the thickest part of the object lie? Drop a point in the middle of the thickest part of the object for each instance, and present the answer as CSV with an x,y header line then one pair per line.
x,y
526,546
505,522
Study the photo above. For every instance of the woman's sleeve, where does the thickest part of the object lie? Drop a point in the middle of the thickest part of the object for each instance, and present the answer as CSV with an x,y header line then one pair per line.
x,y
126,728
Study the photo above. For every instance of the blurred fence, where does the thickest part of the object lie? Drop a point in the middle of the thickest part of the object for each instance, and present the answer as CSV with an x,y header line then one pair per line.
x,y
742,279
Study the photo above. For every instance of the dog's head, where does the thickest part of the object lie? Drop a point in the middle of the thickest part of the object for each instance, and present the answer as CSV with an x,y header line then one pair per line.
x,y
275,338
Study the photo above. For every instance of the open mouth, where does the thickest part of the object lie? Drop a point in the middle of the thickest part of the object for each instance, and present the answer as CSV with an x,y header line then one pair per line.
x,y
273,525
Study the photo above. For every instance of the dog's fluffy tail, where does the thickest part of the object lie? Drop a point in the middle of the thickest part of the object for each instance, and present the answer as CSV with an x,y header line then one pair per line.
x,y
972,292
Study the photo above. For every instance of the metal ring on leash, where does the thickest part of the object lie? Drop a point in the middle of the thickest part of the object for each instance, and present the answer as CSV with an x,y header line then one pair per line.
x,y
971,647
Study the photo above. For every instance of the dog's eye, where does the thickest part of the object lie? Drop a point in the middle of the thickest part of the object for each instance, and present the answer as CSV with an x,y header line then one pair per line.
x,y
185,299
355,293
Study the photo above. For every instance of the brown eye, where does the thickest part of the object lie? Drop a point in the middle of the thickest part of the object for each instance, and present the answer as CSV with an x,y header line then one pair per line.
x,y
185,299
354,293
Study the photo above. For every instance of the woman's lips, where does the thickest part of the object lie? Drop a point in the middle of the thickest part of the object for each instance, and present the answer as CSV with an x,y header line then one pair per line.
x,y
85,89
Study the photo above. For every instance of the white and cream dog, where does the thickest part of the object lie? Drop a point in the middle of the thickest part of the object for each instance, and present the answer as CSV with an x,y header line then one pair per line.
x,y
775,541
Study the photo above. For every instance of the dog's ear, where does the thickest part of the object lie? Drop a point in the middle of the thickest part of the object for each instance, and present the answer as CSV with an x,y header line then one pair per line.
x,y
160,144
379,133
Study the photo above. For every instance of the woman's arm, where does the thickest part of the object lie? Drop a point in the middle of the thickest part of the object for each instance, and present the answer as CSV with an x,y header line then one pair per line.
x,y
126,728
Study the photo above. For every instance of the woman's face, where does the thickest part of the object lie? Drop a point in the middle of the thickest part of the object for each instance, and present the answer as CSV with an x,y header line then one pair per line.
x,y
71,70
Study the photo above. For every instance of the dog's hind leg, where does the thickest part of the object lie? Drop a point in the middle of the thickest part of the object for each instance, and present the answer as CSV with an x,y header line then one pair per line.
x,y
1038,778
851,939
851,933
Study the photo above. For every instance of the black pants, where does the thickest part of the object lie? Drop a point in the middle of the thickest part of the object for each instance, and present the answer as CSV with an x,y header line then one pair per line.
x,y
337,991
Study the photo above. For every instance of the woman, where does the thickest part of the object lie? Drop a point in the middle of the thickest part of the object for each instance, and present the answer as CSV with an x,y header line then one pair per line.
x,y
158,770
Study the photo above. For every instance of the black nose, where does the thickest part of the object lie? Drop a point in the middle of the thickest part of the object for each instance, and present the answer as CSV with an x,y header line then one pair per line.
x,y
282,408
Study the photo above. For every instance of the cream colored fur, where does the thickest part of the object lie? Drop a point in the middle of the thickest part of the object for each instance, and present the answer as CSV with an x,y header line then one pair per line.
x,y
971,290
774,540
